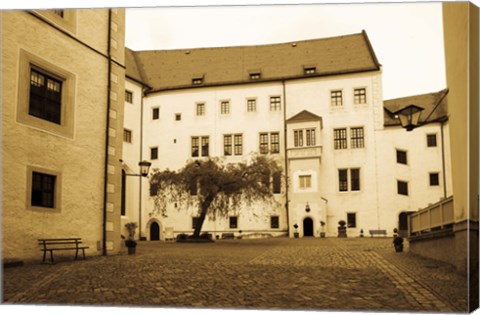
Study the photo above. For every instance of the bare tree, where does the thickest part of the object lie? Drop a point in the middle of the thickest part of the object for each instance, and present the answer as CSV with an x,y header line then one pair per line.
x,y
214,187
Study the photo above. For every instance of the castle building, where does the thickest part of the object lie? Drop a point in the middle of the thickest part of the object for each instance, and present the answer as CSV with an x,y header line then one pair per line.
x,y
315,106
62,121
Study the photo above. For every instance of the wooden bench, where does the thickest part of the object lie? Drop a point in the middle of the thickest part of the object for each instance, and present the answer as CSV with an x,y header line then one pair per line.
x,y
54,244
377,232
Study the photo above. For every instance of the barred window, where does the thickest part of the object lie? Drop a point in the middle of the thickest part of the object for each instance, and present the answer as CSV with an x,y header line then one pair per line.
x,y
343,180
357,137
45,96
233,222
360,96
43,190
275,103
336,98
340,138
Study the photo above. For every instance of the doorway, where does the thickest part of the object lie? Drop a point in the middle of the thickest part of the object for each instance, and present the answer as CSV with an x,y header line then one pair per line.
x,y
154,231
307,227
403,223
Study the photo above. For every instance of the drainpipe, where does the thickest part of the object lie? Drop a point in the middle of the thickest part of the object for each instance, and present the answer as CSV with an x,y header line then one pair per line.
x,y
105,175
140,178
443,161
285,153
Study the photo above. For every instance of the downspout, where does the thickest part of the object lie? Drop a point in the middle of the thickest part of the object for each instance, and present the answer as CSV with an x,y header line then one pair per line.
x,y
443,162
285,153
105,175
140,178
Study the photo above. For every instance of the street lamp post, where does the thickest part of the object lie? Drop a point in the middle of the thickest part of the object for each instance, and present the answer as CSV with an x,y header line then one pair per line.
x,y
144,169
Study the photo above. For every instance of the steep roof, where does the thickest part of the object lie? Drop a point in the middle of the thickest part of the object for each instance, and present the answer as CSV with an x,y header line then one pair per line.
x,y
174,69
435,107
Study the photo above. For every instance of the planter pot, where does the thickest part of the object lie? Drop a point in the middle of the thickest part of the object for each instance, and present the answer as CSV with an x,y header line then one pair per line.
x,y
132,250
322,234
399,248
295,234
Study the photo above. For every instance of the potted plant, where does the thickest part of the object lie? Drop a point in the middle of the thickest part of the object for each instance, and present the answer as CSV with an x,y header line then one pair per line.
x,y
322,229
130,242
342,229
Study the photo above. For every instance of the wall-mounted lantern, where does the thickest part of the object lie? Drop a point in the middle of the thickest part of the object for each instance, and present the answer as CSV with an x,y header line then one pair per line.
x,y
409,116
307,207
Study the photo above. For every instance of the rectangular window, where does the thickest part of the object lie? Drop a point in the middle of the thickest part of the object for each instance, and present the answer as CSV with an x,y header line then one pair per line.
x,y
154,186
194,222
45,96
277,183
351,220
310,134
264,143
340,138
298,138
355,179
434,179
155,113
360,96
274,142
153,153
205,143
401,157
178,117
238,144
129,97
402,188
274,222
225,107
127,135
233,222
195,146
305,181
432,140
227,144
251,105
43,190
336,98
343,180
357,137
200,109
275,103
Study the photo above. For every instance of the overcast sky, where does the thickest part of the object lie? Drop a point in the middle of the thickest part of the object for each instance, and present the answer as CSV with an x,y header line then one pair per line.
x,y
407,37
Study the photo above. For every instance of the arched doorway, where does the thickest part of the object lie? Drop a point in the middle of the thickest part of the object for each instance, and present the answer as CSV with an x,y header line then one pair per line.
x,y
403,223
154,231
307,227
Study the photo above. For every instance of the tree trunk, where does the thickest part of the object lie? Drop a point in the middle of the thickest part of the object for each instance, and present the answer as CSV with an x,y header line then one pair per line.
x,y
203,214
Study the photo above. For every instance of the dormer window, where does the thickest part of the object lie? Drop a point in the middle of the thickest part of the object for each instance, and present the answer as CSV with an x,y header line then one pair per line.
x,y
197,81
58,12
309,70
255,76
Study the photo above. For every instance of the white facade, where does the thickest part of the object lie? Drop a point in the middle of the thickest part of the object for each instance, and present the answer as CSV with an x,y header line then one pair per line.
x,y
373,204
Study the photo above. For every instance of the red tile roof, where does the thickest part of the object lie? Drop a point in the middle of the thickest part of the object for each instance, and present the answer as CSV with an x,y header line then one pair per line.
x,y
175,69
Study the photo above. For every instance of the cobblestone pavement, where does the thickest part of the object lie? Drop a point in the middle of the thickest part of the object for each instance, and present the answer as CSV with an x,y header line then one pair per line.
x,y
304,274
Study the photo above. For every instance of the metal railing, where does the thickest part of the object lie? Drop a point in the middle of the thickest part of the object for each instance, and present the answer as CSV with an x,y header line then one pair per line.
x,y
435,217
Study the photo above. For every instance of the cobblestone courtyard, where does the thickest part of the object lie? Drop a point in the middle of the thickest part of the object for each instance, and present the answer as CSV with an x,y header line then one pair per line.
x,y
307,274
